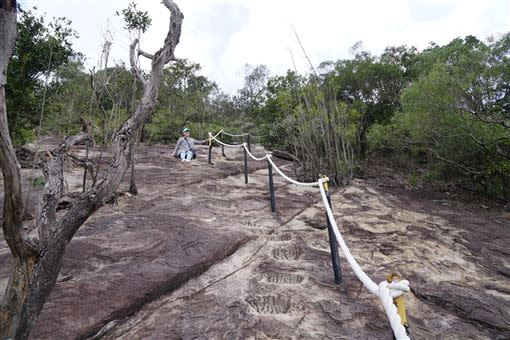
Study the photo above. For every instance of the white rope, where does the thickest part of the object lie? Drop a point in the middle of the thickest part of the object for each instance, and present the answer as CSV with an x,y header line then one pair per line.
x,y
384,290
313,184
231,135
224,144
253,157
268,157
216,135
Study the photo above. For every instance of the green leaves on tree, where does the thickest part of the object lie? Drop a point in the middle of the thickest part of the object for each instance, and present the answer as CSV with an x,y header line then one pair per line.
x,y
134,19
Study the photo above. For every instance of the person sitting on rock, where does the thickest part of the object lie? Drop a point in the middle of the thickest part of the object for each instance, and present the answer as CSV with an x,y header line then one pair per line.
x,y
184,148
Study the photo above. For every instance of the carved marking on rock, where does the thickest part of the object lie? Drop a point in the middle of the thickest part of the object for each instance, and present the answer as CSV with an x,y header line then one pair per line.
x,y
270,304
283,278
281,237
221,204
287,253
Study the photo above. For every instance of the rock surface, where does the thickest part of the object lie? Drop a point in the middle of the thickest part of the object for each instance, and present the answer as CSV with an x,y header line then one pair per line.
x,y
198,254
280,285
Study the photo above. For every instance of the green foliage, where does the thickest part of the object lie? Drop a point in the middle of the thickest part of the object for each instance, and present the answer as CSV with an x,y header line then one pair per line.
x,y
371,85
454,114
185,98
41,48
37,182
21,134
446,108
69,100
322,134
134,19
251,97
412,179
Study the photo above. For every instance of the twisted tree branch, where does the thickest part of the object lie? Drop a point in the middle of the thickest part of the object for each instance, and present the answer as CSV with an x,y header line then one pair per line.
x,y
132,60
145,54
54,173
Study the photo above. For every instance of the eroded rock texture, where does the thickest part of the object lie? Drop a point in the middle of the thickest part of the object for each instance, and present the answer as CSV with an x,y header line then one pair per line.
x,y
281,285
198,255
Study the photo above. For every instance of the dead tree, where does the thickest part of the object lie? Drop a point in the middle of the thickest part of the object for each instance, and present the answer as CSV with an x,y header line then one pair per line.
x,y
37,261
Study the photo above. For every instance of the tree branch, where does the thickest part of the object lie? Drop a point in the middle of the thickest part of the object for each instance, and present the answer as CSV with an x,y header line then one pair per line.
x,y
174,33
7,36
145,54
125,136
85,164
457,165
54,174
132,60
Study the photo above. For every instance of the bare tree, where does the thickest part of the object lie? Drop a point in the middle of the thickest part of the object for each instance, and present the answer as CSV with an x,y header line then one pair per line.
x,y
37,261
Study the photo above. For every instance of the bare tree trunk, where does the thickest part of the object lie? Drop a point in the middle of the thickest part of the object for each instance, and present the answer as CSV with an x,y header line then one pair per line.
x,y
132,183
38,262
12,315
23,251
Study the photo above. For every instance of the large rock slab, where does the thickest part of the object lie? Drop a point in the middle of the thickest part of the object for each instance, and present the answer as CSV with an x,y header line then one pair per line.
x,y
280,285
185,218
199,255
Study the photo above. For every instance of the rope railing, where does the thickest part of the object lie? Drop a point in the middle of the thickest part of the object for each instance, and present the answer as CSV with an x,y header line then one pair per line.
x,y
232,135
268,157
313,184
387,290
216,135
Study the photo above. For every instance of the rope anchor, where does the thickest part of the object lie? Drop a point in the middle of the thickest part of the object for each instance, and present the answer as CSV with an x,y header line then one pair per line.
x,y
389,291
397,288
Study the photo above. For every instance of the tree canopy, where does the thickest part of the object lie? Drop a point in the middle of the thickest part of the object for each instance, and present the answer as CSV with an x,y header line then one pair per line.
x,y
446,106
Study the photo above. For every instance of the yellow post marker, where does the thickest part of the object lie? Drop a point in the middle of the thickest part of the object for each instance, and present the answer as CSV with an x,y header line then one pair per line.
x,y
399,301
325,184
209,140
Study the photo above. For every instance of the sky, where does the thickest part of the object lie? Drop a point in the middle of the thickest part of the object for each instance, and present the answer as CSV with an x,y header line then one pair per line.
x,y
225,35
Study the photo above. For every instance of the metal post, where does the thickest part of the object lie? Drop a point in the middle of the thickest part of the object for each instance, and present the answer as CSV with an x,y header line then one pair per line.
x,y
223,151
245,166
271,186
333,244
249,144
209,160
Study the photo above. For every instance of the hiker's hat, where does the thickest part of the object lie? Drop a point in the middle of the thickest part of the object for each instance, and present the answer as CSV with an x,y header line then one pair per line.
x,y
185,130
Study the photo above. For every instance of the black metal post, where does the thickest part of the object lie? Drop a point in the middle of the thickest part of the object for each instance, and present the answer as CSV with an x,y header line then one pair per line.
x,y
271,186
223,151
249,144
209,160
245,166
333,244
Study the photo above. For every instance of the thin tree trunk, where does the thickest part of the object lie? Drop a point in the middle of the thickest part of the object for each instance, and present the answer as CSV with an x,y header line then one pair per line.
x,y
11,314
132,183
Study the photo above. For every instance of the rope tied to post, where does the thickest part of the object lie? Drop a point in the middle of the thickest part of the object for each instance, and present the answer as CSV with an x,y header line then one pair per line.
x,y
388,290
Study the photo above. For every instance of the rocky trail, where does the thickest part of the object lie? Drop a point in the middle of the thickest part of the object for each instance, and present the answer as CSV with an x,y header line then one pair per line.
x,y
199,255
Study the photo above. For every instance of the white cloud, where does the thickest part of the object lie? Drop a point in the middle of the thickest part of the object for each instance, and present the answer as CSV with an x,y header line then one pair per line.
x,y
224,35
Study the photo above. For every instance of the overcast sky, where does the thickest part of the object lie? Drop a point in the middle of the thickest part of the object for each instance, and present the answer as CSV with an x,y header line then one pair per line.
x,y
224,35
